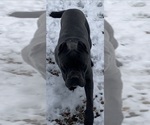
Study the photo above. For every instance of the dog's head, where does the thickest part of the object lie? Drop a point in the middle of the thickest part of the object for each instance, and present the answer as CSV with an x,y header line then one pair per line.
x,y
74,60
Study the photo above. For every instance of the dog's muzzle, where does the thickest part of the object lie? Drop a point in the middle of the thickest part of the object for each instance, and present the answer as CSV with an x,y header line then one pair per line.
x,y
73,82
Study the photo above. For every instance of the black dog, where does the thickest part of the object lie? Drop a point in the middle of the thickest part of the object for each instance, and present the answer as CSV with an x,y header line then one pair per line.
x,y
72,55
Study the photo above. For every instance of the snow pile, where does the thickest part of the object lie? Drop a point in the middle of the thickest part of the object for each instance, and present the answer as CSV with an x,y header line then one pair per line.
x,y
64,106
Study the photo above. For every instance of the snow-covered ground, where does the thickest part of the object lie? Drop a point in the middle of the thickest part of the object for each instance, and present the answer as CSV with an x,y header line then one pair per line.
x,y
22,90
131,22
64,106
22,93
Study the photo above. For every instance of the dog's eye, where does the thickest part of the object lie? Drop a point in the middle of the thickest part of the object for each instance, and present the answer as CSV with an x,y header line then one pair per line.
x,y
64,68
82,47
62,47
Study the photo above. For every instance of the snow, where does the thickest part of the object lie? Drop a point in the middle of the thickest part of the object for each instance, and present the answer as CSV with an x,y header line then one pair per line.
x,y
22,89
130,20
22,96
61,101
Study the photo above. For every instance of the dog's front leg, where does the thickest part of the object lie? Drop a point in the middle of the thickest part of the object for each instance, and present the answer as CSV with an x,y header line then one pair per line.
x,y
89,116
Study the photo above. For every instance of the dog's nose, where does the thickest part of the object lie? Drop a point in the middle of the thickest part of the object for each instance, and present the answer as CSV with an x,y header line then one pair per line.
x,y
78,82
72,83
72,88
81,85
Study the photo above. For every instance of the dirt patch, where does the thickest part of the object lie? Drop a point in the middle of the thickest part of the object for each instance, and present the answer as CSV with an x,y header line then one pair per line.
x,y
10,61
142,15
147,32
144,110
31,121
126,108
139,4
21,72
146,102
132,114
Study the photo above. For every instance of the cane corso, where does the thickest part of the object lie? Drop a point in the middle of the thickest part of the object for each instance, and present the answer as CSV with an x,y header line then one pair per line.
x,y
72,55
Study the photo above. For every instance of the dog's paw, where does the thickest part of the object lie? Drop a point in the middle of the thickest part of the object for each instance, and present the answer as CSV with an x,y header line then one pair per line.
x,y
89,117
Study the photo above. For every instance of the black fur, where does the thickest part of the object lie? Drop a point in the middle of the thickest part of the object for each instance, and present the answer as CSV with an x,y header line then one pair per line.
x,y
72,55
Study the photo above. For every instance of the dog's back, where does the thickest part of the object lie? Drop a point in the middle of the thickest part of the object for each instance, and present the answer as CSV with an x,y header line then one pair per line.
x,y
73,25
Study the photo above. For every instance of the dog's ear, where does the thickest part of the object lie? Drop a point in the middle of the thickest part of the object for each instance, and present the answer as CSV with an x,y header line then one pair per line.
x,y
62,48
82,47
